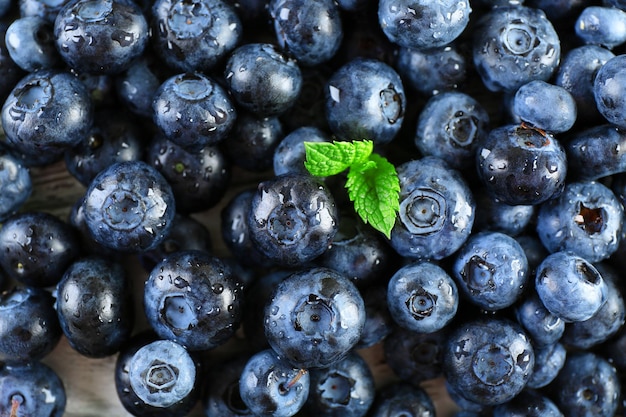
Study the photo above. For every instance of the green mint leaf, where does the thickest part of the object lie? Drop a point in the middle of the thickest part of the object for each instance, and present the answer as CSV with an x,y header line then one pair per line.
x,y
324,159
374,188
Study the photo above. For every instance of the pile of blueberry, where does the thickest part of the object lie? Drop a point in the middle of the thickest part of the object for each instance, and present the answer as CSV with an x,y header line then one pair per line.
x,y
506,121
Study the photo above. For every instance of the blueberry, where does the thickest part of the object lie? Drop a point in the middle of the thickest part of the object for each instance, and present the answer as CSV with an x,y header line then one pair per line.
x,y
345,389
271,386
585,219
30,115
163,378
605,26
100,36
193,299
193,111
308,109
198,178
16,184
289,155
262,80
37,248
605,323
545,106
292,219
378,322
436,210
129,207
520,165
314,317
29,328
310,31
423,24
112,138
365,99
543,327
94,305
30,43
596,152
608,88
450,126
528,404
402,399
587,385
222,397
31,390
549,361
488,361
496,216
194,35
514,45
570,287
432,71
422,297
46,10
10,72
576,74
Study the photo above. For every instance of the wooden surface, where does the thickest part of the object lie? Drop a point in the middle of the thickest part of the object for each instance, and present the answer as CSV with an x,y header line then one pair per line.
x,y
89,382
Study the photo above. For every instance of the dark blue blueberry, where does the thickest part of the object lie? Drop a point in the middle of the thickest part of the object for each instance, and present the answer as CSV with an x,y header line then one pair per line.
x,y
15,183
576,74
314,318
94,305
129,207
491,269
422,297
605,26
345,389
609,89
310,31
365,100
466,405
545,106
252,142
605,323
235,231
543,327
585,219
549,361
89,246
45,9
262,80
488,361
423,24
186,233
31,390
29,328
534,250
100,88
570,287
496,216
450,126
562,13
520,165
357,252
597,152
10,72
37,248
112,138
364,38
292,219
163,379
272,387
222,397
30,43
432,71
289,155
137,86
436,210
528,404
308,109
194,35
198,178
193,299
415,357
514,45
47,112
193,111
100,36
587,385
400,399
378,321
